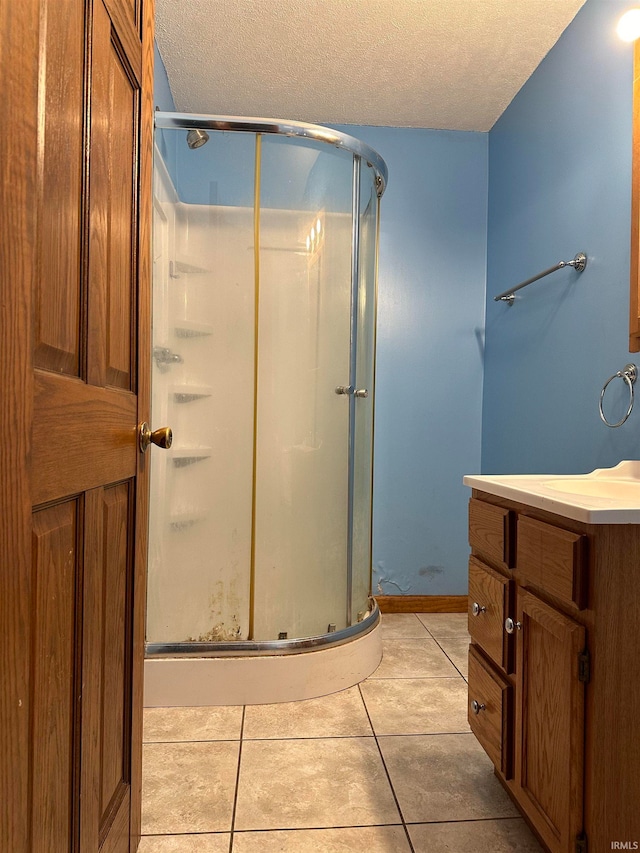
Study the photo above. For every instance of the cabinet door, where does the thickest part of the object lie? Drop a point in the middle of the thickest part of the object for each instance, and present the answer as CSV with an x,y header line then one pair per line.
x,y
490,719
489,605
549,722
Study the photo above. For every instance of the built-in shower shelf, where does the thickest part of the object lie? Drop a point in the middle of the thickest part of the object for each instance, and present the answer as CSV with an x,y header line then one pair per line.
x,y
184,456
178,268
188,393
191,329
181,521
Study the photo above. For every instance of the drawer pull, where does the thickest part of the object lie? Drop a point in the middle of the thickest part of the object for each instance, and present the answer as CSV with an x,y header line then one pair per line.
x,y
510,626
476,706
477,609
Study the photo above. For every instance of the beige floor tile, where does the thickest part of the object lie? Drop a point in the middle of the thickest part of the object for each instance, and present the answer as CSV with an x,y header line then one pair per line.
x,y
368,839
395,626
313,783
188,787
457,648
444,777
218,843
192,724
337,715
498,836
400,706
413,659
445,624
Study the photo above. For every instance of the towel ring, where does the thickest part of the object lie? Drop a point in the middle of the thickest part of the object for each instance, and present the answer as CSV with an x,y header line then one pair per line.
x,y
629,375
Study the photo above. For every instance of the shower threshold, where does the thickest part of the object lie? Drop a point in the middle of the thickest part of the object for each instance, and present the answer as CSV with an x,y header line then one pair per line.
x,y
247,648
262,673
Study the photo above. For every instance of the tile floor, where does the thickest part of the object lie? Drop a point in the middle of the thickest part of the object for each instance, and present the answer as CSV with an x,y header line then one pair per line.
x,y
389,766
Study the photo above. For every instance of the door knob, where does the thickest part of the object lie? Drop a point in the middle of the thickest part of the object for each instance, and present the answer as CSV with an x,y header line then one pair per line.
x,y
477,609
160,437
476,706
361,392
344,389
510,626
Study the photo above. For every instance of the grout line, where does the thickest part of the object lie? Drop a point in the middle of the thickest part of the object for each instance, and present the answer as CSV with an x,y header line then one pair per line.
x,y
184,834
425,734
235,795
464,820
200,740
368,735
448,658
453,676
317,828
384,764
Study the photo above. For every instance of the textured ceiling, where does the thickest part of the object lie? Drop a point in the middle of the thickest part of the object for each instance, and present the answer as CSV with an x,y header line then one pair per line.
x,y
453,64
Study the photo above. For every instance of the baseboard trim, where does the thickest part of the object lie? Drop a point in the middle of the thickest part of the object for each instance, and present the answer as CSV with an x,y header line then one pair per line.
x,y
422,603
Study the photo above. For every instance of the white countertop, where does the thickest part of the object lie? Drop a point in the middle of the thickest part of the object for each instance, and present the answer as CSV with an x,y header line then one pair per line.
x,y
605,496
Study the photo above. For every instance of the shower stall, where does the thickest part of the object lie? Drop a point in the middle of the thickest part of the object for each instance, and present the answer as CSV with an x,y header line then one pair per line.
x,y
264,311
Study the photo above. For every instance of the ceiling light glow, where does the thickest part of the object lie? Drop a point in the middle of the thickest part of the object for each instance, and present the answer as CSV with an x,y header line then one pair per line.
x,y
629,25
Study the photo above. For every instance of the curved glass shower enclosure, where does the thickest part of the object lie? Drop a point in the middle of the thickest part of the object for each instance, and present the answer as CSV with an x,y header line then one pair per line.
x,y
264,249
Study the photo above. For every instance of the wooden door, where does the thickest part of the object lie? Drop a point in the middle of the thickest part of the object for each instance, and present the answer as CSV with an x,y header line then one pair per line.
x,y
550,722
76,144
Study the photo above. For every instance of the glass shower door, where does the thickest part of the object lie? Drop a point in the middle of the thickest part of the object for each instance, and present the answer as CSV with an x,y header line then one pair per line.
x,y
202,384
302,424
365,326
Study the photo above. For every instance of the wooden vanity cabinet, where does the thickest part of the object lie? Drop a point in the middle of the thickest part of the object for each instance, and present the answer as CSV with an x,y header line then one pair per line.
x,y
554,694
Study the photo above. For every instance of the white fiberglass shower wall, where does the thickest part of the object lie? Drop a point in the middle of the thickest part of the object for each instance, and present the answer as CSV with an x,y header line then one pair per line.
x,y
263,332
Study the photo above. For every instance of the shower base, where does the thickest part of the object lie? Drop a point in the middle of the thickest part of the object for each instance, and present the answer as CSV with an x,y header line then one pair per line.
x,y
184,681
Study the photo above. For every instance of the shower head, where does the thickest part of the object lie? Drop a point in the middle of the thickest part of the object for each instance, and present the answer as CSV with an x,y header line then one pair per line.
x,y
196,138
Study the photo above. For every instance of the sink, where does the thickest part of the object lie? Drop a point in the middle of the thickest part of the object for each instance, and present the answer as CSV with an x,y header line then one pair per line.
x,y
615,489
604,496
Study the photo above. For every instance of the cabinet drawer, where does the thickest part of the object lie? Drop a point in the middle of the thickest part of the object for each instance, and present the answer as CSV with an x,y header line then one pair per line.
x,y
492,722
553,559
489,590
490,531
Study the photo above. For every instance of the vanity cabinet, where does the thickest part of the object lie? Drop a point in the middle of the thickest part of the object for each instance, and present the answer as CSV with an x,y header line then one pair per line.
x,y
554,678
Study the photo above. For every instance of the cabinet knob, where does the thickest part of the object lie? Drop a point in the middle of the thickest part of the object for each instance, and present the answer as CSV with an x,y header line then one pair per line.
x,y
477,609
476,706
510,626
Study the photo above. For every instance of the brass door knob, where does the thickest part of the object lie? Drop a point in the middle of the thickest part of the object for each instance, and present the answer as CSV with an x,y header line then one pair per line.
x,y
160,437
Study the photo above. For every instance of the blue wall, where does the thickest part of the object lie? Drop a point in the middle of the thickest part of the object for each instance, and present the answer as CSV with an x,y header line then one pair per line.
x,y
559,183
429,358
556,170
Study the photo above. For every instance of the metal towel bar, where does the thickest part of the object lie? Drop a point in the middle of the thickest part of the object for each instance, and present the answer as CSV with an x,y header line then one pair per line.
x,y
578,263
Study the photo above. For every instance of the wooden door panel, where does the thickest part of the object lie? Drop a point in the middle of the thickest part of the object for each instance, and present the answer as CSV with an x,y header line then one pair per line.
x,y
118,838
113,215
122,281
127,20
74,421
19,74
57,302
55,569
116,645
76,284
550,719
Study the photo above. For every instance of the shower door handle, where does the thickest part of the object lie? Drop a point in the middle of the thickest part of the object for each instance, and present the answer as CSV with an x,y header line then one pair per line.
x,y
162,437
345,389
361,392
